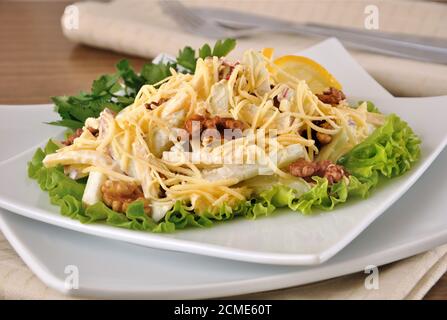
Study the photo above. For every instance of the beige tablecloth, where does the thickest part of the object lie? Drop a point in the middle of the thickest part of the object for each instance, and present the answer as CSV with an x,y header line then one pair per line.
x,y
137,27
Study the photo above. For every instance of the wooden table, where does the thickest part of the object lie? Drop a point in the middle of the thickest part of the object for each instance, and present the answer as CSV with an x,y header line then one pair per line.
x,y
37,62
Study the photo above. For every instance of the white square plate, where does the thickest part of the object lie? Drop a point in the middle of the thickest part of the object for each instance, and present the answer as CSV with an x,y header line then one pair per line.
x,y
285,238
47,249
400,232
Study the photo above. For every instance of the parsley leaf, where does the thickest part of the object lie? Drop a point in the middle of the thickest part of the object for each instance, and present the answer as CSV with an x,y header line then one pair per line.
x,y
187,58
222,48
132,81
205,51
68,123
153,73
106,84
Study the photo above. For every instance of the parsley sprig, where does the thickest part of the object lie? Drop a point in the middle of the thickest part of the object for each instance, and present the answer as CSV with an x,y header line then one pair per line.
x,y
118,90
187,58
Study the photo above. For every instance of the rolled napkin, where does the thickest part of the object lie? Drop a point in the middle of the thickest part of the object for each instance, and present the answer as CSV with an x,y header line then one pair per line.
x,y
139,27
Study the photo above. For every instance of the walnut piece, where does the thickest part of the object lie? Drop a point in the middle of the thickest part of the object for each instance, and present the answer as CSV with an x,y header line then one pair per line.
x,y
324,169
118,195
331,96
302,168
69,141
155,104
228,123
226,69
190,122
333,172
324,138
216,122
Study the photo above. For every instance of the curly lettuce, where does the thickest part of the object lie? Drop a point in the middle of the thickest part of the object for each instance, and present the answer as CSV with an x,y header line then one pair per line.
x,y
67,194
388,152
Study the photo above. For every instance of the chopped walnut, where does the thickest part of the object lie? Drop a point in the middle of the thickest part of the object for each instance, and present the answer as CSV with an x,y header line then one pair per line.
x,y
154,104
93,131
118,195
189,123
332,172
226,69
70,140
216,122
324,138
324,169
331,96
302,168
228,123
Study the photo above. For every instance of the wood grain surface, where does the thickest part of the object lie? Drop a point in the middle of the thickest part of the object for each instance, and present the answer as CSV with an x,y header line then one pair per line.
x,y
37,62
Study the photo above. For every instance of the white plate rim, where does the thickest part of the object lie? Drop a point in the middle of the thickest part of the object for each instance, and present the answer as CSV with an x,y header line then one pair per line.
x,y
223,289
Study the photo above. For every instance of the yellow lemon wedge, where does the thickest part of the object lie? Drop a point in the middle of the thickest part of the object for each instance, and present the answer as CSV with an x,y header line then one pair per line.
x,y
316,76
268,53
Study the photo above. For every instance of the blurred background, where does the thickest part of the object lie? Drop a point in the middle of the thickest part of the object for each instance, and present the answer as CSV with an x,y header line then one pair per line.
x,y
38,61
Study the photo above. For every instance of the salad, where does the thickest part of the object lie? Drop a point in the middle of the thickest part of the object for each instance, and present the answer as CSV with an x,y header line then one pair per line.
x,y
201,138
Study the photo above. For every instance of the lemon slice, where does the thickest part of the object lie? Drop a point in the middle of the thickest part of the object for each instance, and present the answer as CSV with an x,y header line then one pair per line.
x,y
268,53
316,76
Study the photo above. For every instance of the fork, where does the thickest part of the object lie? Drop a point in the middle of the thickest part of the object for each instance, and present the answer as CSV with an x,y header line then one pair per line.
x,y
210,28
189,20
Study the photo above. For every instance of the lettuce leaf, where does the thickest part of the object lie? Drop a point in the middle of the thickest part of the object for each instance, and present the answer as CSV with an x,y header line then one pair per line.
x,y
322,195
389,151
370,107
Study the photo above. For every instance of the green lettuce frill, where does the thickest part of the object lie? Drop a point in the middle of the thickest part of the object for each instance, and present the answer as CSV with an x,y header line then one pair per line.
x,y
389,151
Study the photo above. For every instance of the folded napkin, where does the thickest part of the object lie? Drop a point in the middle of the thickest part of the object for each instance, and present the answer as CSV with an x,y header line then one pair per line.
x,y
408,279
138,27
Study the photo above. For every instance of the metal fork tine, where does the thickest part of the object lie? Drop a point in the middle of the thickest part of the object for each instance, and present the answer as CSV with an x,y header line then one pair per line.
x,y
182,12
188,19
172,10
